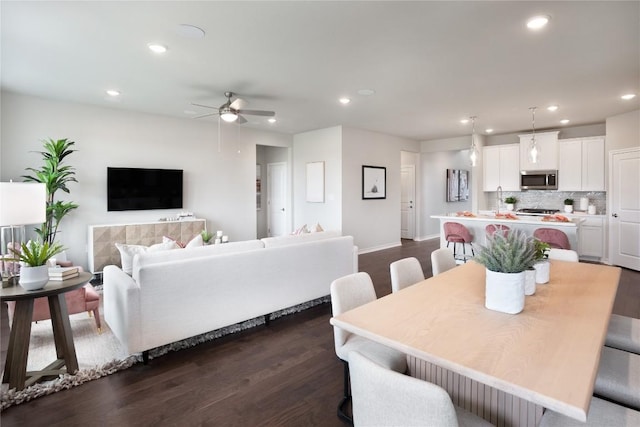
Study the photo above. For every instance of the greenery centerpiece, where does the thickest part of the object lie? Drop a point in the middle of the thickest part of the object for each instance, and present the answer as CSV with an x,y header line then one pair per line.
x,y
55,175
506,257
33,256
206,237
541,263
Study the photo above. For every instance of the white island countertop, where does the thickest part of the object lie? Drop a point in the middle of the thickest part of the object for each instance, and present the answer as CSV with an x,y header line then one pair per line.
x,y
511,217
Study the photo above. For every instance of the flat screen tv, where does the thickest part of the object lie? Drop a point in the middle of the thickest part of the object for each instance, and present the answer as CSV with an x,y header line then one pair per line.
x,y
131,189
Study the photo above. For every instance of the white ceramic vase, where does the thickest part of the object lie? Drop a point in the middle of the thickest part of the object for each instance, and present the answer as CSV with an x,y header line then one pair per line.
x,y
568,208
510,206
542,271
530,281
504,292
34,278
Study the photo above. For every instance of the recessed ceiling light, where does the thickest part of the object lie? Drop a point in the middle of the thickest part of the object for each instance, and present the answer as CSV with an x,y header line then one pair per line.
x,y
272,120
489,130
552,108
344,100
112,92
628,96
366,92
538,22
464,121
564,121
190,31
157,48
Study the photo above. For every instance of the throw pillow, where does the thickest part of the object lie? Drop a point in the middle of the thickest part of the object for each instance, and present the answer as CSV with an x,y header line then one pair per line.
x,y
166,239
317,228
195,242
127,253
301,230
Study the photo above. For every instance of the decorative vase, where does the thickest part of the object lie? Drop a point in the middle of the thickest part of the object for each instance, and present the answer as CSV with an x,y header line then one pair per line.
x,y
504,292
530,281
34,278
568,208
542,271
510,206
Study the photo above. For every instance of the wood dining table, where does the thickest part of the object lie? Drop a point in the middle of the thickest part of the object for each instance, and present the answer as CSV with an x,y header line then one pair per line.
x,y
505,368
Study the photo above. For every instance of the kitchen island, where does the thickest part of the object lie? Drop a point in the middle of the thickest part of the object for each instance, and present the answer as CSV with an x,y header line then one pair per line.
x,y
476,224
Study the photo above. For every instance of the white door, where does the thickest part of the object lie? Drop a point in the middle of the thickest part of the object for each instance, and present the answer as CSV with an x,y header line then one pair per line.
x,y
277,199
407,202
624,208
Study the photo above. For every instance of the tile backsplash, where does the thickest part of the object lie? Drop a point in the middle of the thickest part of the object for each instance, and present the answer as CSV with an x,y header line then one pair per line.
x,y
550,199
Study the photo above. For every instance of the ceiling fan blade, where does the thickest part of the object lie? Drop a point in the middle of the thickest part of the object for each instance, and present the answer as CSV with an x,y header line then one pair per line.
x,y
206,115
238,104
241,120
258,113
205,106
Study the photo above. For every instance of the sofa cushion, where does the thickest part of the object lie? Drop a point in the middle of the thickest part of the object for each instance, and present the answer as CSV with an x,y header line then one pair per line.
x,y
271,242
127,252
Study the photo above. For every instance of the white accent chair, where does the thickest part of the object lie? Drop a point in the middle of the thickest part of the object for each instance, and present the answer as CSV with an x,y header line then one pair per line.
x,y
601,414
442,260
347,293
624,333
385,398
563,254
405,272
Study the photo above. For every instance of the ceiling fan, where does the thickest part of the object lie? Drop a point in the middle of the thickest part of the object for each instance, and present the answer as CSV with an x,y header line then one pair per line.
x,y
231,111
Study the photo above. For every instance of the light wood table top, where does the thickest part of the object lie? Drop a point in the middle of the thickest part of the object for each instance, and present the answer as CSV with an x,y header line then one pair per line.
x,y
548,354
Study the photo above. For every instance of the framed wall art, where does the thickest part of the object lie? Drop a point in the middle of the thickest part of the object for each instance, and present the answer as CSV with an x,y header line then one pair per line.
x,y
457,185
374,182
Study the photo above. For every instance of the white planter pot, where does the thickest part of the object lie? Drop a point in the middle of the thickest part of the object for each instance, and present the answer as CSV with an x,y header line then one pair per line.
x,y
504,292
530,281
542,271
34,278
568,208
510,206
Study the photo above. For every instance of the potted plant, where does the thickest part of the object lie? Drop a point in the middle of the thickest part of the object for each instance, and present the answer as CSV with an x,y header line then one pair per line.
x,y
55,176
511,202
541,264
206,237
33,257
568,205
506,257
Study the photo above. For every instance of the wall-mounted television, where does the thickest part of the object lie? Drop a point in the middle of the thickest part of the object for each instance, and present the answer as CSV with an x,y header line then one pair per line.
x,y
131,189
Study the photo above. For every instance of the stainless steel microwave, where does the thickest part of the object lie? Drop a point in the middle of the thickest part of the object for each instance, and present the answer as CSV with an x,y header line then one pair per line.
x,y
539,180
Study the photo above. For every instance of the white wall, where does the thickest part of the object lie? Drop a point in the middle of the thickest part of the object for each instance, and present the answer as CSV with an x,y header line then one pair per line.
x,y
218,186
374,224
324,145
623,131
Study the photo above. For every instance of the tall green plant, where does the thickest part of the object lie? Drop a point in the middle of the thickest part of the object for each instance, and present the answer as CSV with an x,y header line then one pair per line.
x,y
55,176
512,252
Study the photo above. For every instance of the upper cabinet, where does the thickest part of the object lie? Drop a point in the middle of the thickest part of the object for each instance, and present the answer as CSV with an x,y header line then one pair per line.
x,y
581,164
501,167
547,143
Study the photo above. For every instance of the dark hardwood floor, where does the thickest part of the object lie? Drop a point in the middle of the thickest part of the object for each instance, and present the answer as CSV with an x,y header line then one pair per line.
x,y
284,374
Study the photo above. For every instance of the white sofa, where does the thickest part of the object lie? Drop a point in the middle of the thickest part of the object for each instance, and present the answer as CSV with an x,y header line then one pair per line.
x,y
177,294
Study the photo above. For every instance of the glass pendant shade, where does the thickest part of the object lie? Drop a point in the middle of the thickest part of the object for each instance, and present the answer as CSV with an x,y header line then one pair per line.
x,y
228,116
473,150
534,149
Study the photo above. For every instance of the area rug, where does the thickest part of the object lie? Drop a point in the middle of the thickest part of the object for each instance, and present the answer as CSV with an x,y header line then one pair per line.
x,y
102,354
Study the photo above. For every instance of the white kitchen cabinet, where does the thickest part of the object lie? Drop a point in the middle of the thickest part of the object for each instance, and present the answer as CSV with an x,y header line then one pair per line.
x,y
501,167
591,239
581,164
547,142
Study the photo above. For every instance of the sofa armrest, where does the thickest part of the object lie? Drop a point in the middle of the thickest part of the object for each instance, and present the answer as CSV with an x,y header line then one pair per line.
x,y
121,296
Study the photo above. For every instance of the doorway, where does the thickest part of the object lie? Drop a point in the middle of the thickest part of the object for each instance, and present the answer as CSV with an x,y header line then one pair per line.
x,y
276,199
407,202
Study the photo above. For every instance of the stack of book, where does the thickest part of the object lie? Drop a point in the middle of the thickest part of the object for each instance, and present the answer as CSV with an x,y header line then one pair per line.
x,y
63,273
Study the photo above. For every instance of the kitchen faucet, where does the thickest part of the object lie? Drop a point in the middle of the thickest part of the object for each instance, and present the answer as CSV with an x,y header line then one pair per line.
x,y
499,198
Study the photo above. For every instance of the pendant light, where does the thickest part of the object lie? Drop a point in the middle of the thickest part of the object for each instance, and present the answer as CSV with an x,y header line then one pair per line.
x,y
534,149
473,150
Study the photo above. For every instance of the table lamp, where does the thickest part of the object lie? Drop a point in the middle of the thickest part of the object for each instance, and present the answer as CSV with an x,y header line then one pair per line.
x,y
21,203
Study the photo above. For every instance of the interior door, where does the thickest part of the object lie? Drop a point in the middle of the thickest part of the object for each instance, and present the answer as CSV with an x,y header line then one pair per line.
x,y
407,202
277,199
624,208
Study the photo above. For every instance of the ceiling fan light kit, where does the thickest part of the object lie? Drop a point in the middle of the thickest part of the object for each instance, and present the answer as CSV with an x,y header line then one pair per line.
x,y
231,111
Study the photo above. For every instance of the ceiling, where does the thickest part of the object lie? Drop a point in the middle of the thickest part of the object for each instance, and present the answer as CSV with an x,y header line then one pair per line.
x,y
429,63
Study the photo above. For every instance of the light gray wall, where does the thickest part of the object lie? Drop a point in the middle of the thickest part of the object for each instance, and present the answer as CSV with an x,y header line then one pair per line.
x,y
218,186
324,145
623,131
597,129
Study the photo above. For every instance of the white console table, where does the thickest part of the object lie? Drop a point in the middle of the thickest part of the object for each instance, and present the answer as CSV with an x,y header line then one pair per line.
x,y
102,238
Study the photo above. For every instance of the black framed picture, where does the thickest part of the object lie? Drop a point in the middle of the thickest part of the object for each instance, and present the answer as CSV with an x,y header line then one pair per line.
x,y
374,182
457,185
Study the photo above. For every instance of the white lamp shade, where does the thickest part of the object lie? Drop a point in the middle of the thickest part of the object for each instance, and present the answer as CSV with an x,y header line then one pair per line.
x,y
22,203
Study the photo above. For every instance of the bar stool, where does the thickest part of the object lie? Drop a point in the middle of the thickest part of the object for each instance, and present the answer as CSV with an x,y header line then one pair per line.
x,y
555,238
455,233
492,228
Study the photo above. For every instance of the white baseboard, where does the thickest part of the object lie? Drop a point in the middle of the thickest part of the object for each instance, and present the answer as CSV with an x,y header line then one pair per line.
x,y
433,236
379,248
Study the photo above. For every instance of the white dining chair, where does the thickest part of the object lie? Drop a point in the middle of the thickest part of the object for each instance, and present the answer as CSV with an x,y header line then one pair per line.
x,y
442,260
624,333
382,397
347,293
563,254
618,378
601,414
405,272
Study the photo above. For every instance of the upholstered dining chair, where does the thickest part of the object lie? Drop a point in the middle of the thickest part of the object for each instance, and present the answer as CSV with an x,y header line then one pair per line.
x,y
492,228
442,260
382,397
347,293
563,255
555,238
601,413
405,272
624,333
618,378
455,232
